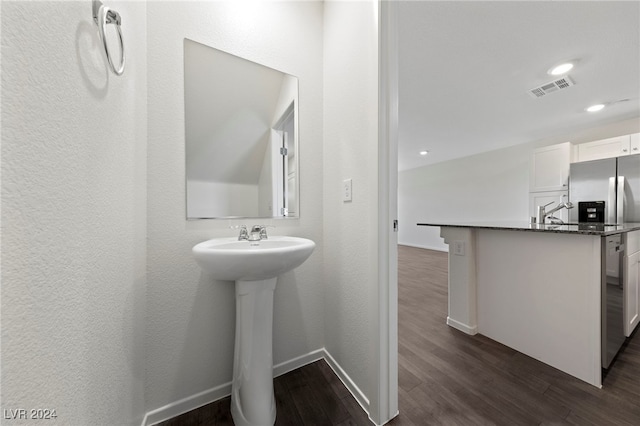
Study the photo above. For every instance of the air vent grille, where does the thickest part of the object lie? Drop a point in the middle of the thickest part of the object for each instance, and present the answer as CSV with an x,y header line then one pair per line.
x,y
551,87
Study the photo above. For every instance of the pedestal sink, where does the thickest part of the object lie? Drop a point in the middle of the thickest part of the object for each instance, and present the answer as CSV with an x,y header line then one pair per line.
x,y
255,267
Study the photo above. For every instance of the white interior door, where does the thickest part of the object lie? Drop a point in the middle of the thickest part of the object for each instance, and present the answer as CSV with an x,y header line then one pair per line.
x,y
287,180
277,167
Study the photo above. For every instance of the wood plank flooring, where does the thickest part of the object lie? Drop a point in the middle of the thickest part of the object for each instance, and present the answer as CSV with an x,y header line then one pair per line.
x,y
449,378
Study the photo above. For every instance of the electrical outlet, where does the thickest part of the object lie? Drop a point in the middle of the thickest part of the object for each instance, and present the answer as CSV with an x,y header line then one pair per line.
x,y
346,190
458,248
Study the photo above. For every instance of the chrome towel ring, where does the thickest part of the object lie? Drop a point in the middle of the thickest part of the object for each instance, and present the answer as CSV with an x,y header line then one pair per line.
x,y
102,16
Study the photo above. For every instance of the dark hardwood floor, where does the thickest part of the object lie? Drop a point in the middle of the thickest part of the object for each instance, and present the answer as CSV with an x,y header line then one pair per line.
x,y
449,378
311,395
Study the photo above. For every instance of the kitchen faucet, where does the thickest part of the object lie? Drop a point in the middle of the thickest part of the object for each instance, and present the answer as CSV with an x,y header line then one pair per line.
x,y
542,213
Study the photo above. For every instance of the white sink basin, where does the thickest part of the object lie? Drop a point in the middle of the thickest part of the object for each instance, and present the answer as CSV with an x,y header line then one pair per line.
x,y
233,260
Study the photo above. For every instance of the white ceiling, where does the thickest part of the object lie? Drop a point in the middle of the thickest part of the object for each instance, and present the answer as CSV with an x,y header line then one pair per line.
x,y
466,68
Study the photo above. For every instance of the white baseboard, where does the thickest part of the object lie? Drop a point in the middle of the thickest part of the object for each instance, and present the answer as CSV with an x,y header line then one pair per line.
x,y
208,396
187,404
472,330
346,380
301,361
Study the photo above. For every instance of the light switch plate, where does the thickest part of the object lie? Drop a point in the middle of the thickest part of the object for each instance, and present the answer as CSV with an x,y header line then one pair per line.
x,y
346,190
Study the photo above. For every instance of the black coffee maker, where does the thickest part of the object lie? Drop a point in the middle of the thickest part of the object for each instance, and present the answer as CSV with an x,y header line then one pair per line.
x,y
591,211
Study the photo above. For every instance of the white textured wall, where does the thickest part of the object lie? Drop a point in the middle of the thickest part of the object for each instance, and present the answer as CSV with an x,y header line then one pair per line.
x,y
493,186
350,151
190,327
73,215
484,187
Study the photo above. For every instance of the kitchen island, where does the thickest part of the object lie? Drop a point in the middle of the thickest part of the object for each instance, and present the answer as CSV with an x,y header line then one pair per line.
x,y
534,288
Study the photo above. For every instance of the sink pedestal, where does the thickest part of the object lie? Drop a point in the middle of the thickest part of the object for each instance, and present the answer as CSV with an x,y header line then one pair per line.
x,y
252,398
254,266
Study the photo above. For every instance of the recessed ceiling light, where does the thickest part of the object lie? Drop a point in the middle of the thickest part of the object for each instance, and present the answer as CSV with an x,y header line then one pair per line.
x,y
595,108
561,69
424,152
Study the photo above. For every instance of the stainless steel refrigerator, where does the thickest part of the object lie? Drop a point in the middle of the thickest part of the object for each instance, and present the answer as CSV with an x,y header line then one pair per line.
x,y
606,190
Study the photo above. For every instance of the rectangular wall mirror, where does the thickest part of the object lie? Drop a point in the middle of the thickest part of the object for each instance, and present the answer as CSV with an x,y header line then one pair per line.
x,y
241,133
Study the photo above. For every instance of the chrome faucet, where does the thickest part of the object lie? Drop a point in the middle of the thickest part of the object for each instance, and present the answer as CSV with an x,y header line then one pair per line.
x,y
543,214
257,233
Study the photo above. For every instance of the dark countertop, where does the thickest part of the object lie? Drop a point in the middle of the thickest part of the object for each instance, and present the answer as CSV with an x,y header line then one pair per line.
x,y
569,228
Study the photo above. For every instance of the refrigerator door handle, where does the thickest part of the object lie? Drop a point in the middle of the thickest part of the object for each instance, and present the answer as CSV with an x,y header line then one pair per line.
x,y
611,204
620,201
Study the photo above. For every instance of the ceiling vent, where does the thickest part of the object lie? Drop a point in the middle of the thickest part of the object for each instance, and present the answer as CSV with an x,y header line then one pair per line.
x,y
553,86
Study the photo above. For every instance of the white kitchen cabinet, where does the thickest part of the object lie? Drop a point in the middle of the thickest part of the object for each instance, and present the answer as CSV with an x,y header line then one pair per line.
x,y
541,198
632,283
605,148
632,296
632,242
634,144
549,168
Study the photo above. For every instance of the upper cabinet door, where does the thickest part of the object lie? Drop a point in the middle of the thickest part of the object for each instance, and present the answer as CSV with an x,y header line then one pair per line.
x,y
605,148
555,197
549,168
